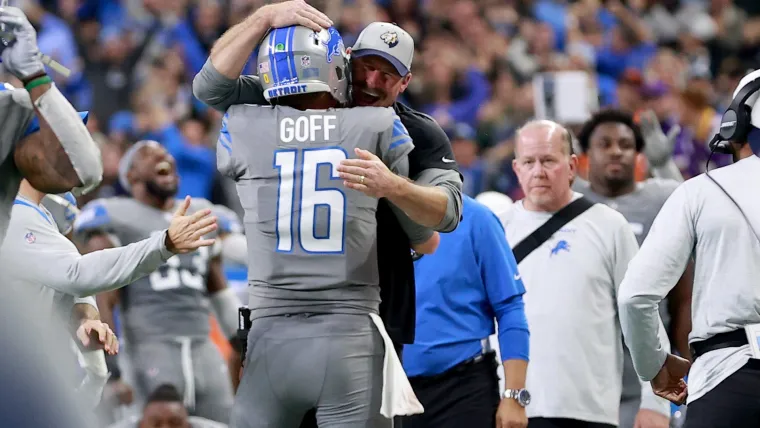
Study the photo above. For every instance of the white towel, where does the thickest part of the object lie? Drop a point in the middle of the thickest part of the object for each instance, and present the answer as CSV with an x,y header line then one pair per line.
x,y
398,396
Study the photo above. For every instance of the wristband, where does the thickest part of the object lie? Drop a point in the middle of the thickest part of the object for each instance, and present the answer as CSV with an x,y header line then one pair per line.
x,y
38,81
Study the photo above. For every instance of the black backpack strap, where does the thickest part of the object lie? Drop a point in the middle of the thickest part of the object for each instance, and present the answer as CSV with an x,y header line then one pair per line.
x,y
546,230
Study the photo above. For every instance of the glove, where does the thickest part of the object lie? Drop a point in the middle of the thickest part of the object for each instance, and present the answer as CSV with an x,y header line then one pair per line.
x,y
658,147
21,58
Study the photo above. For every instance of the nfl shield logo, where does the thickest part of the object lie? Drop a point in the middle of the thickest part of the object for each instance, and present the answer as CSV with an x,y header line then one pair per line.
x,y
305,61
264,67
30,238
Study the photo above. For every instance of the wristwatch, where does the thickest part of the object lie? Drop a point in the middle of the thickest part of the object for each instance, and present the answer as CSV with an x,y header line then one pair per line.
x,y
522,396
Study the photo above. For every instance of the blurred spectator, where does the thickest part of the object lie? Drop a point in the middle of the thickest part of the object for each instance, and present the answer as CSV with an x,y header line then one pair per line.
x,y
164,408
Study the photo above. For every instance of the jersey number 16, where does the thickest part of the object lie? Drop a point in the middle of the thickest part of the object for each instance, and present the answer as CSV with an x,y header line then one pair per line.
x,y
312,196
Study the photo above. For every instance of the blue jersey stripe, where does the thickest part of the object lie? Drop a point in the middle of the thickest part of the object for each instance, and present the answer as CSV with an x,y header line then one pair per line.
x,y
398,128
400,142
36,208
225,139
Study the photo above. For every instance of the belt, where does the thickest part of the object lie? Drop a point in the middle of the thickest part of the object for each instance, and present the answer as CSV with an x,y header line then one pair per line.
x,y
731,339
464,365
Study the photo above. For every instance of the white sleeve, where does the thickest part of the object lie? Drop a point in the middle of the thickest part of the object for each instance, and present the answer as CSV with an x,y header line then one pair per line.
x,y
52,260
88,300
651,275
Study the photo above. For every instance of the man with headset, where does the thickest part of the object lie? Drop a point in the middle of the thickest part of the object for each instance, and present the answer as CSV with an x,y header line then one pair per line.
x,y
715,216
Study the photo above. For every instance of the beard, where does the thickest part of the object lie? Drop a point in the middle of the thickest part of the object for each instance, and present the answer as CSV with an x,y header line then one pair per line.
x,y
159,192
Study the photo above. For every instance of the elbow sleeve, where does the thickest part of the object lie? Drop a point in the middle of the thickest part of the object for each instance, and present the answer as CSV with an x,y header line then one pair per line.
x,y
453,214
73,136
211,87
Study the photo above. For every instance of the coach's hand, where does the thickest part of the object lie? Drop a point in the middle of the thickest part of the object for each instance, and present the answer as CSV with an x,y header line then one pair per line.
x,y
646,418
369,175
95,334
186,232
511,414
22,58
669,382
296,12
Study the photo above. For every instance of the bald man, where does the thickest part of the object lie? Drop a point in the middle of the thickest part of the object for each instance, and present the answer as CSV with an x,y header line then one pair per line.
x,y
571,278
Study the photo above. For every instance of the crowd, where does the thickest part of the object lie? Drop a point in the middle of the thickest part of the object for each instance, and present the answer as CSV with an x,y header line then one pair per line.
x,y
474,65
133,63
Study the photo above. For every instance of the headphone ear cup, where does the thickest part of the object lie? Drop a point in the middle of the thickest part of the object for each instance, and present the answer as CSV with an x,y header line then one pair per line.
x,y
729,124
743,123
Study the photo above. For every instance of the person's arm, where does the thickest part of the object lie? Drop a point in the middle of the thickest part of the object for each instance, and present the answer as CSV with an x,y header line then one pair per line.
x,y
504,289
219,84
71,273
433,199
61,155
650,276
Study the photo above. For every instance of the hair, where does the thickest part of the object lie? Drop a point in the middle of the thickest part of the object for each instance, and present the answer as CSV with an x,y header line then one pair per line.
x,y
164,393
609,116
567,137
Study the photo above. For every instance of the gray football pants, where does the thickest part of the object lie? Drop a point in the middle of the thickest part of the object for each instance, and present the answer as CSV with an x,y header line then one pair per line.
x,y
195,367
330,362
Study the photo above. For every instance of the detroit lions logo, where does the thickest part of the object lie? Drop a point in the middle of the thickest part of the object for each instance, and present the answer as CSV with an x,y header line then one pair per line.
x,y
390,38
561,246
332,42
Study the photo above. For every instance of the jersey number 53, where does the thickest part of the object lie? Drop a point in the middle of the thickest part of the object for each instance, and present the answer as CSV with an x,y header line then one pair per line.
x,y
173,275
312,196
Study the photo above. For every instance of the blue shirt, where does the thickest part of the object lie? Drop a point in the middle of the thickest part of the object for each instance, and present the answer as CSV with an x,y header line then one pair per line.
x,y
471,279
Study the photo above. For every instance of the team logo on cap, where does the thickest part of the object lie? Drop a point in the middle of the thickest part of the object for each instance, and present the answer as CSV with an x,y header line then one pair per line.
x,y
390,38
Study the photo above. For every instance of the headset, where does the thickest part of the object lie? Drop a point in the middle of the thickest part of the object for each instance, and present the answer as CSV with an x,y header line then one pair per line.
x,y
736,121
735,126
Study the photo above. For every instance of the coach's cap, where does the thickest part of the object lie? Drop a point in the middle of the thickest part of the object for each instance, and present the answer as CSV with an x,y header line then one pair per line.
x,y
388,41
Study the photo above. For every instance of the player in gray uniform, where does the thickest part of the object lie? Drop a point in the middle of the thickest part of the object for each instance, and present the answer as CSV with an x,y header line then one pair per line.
x,y
55,154
312,266
612,141
165,315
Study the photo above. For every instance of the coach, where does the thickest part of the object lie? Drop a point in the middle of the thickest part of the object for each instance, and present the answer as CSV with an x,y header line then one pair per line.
x,y
381,61
713,216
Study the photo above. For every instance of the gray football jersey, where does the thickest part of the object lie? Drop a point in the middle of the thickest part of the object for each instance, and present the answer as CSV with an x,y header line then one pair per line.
x,y
170,302
640,208
14,123
311,241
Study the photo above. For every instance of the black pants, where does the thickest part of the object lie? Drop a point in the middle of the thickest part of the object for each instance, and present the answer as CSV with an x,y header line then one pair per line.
x,y
564,423
310,418
464,396
734,403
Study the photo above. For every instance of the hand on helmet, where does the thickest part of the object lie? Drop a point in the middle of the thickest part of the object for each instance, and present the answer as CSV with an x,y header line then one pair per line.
x,y
296,12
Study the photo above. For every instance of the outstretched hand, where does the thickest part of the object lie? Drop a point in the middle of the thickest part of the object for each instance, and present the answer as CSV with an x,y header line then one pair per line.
x,y
186,232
